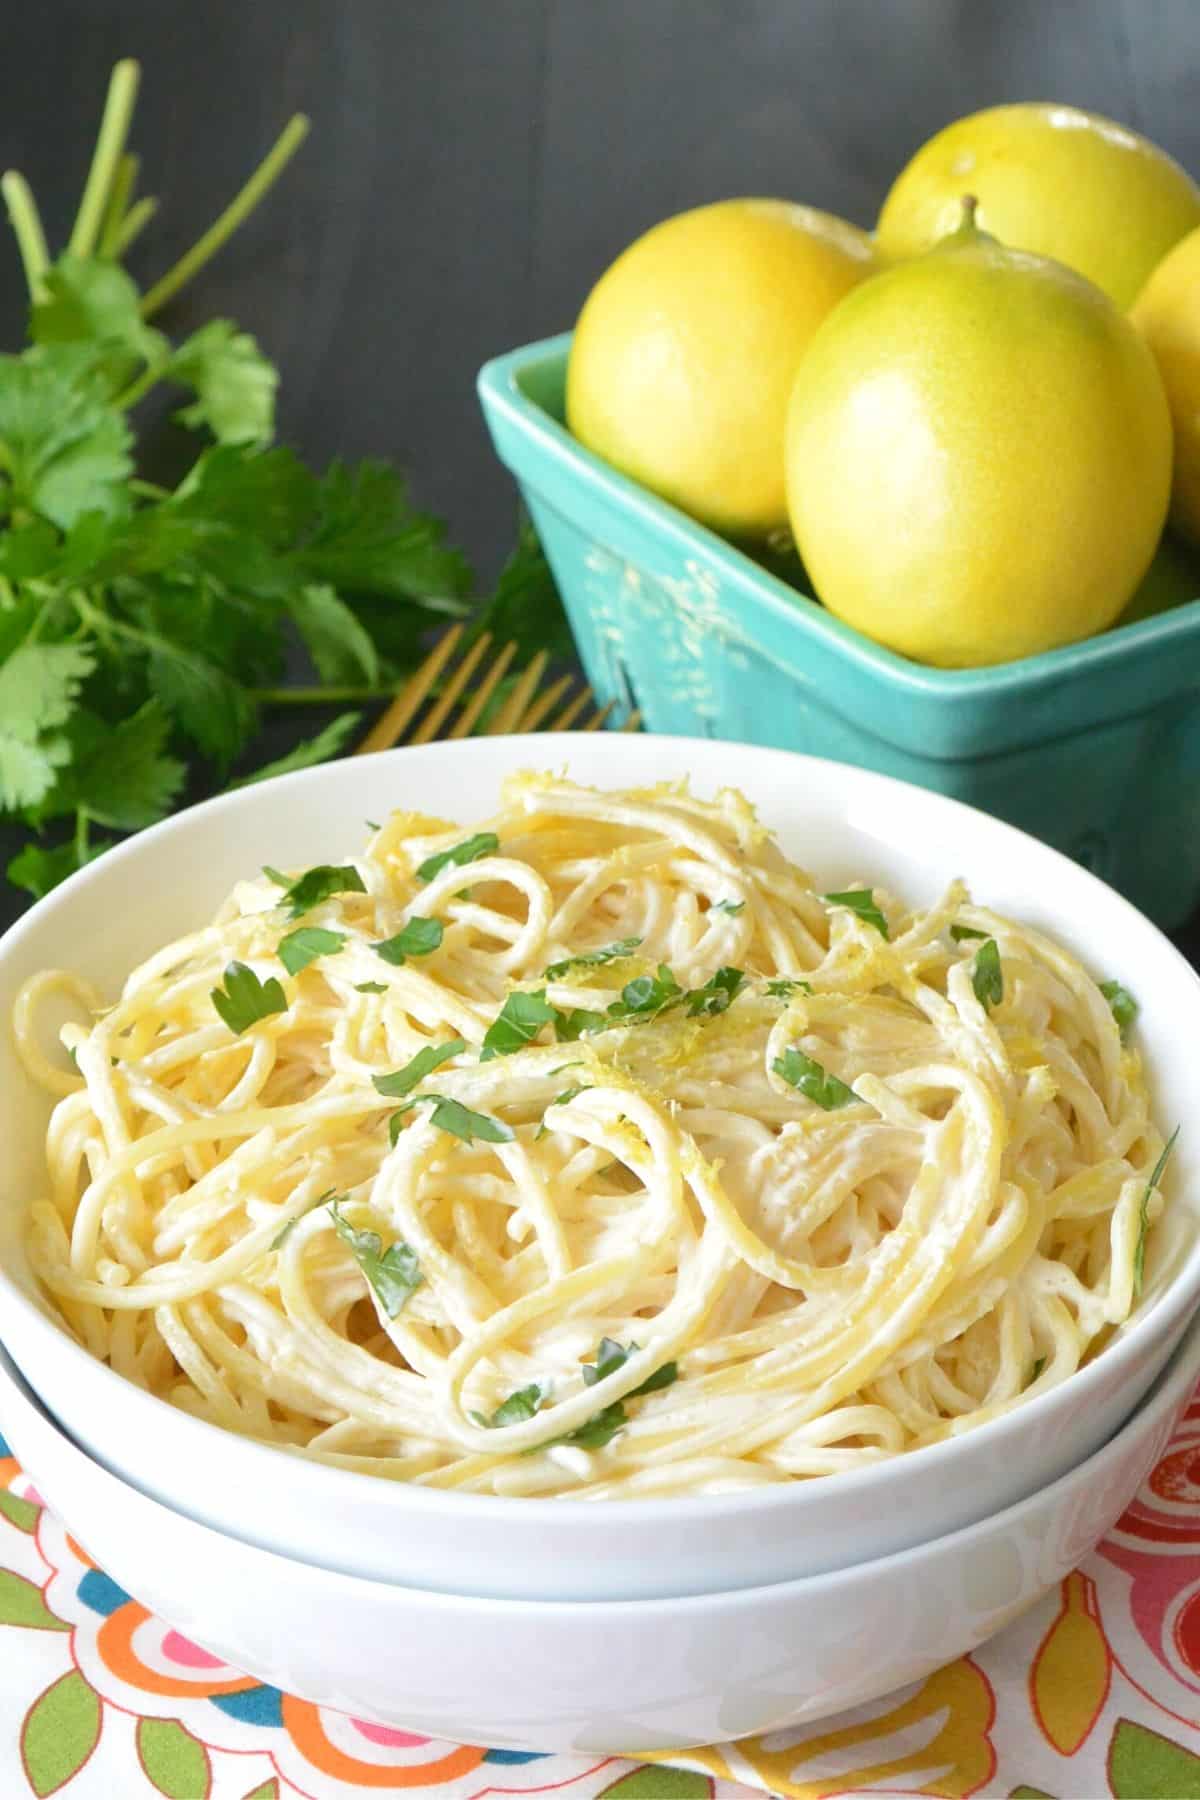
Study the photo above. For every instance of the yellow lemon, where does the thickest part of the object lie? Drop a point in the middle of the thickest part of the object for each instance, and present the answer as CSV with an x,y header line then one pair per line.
x,y
979,456
1167,312
1052,179
685,350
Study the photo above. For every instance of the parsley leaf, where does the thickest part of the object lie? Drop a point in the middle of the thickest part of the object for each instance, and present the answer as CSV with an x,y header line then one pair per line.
x,y
647,995
714,997
588,959
306,944
1124,1006
392,1087
420,937
63,449
517,1024
289,1225
39,686
570,1026
306,755
318,884
611,1356
560,1100
525,608
233,382
370,987
988,977
38,869
520,1405
784,986
1139,1255
336,641
961,932
595,1432
244,999
394,1275
862,902
813,1081
119,774
484,843
732,907
450,1115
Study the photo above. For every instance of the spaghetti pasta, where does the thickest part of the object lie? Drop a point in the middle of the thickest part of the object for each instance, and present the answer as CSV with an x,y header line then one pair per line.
x,y
595,1154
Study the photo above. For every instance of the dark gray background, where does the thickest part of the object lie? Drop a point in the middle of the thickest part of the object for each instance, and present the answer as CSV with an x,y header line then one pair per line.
x,y
474,164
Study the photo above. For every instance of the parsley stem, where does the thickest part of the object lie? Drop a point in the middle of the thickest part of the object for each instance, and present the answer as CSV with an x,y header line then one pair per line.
x,y
26,222
82,827
239,208
134,222
145,381
106,158
123,184
149,490
320,696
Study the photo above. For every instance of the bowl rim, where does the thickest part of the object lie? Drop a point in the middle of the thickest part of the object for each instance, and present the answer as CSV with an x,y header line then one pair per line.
x,y
499,386
1179,1299
1173,1389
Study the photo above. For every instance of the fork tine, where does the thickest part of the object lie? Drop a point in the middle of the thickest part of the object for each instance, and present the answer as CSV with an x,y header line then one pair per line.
x,y
391,726
598,717
433,721
506,718
464,724
544,704
569,714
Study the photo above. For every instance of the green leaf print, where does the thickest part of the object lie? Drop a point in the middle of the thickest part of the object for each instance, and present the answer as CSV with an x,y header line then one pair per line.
x,y
21,1513
22,1603
61,1730
267,1790
1144,1766
173,1759
652,1782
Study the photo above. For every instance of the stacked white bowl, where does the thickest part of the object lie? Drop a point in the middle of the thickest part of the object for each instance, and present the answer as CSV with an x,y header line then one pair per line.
x,y
618,1626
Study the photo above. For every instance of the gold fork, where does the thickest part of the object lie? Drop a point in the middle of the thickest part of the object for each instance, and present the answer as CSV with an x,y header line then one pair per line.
x,y
520,710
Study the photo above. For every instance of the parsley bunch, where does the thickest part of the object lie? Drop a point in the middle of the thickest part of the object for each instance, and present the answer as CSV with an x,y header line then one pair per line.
x,y
144,629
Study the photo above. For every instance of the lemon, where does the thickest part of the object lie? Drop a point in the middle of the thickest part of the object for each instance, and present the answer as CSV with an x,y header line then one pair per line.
x,y
685,350
1167,312
1063,183
978,456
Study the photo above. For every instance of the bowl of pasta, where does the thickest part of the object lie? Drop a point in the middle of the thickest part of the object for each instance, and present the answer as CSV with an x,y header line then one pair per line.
x,y
770,1154
632,1676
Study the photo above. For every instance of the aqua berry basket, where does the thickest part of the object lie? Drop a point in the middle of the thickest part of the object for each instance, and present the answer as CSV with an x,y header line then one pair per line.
x,y
1094,748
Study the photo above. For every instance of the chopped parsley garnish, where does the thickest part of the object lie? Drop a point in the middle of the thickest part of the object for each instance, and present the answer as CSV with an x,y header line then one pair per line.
x,y
732,907
862,902
560,1100
714,997
784,986
959,932
1124,1006
484,843
569,1026
305,944
418,938
1139,1255
590,959
244,999
519,1406
987,978
394,1275
370,987
611,1356
318,884
452,1116
813,1081
286,1229
647,995
402,1081
517,1024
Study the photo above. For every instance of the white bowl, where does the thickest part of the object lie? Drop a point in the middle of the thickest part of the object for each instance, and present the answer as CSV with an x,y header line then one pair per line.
x,y
840,823
635,1675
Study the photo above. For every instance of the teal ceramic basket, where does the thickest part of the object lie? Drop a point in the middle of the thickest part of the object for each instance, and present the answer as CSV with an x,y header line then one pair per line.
x,y
1094,748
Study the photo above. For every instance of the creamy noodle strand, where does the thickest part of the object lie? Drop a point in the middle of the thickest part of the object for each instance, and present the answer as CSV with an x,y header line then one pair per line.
x,y
593,1152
